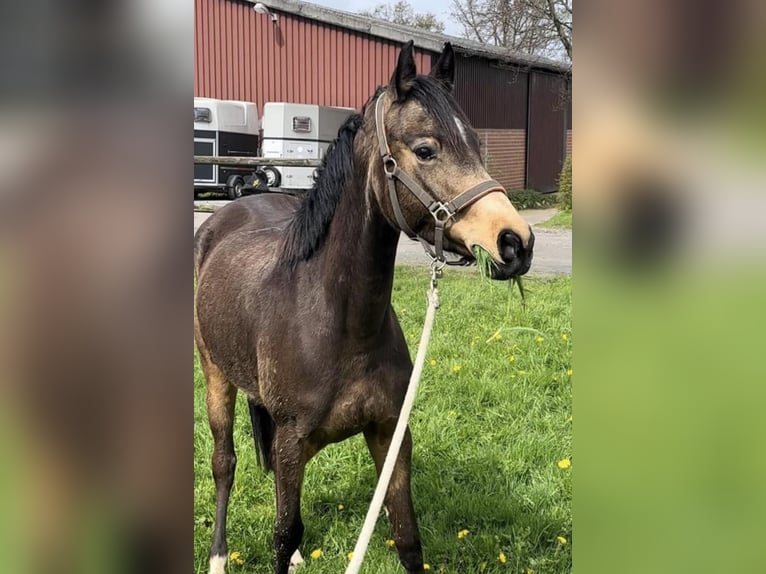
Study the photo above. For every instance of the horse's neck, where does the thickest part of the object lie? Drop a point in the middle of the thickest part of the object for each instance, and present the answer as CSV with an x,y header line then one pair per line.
x,y
358,259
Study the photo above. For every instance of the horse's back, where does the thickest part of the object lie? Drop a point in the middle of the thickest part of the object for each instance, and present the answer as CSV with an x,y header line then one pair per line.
x,y
254,213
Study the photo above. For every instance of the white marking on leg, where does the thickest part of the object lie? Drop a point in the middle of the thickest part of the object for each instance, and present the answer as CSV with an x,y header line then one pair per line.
x,y
295,560
217,564
461,129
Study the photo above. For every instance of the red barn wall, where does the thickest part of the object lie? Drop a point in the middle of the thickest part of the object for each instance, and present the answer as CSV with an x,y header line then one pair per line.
x,y
243,55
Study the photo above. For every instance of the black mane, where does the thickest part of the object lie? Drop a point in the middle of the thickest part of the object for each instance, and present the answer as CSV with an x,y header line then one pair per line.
x,y
310,223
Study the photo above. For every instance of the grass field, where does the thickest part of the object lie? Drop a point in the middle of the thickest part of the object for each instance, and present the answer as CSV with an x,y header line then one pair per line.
x,y
562,220
491,429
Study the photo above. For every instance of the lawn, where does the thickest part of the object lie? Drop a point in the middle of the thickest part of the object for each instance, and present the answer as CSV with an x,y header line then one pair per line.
x,y
491,423
562,220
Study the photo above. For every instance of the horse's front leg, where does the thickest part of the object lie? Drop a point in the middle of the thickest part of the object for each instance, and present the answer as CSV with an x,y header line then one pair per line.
x,y
398,501
290,460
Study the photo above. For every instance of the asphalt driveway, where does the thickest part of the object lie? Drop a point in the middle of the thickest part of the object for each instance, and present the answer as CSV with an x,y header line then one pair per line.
x,y
553,247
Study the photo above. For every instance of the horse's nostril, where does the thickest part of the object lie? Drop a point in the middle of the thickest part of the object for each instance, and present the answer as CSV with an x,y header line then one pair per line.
x,y
509,245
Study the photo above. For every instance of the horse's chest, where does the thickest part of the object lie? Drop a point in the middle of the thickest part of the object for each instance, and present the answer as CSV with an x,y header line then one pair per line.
x,y
358,405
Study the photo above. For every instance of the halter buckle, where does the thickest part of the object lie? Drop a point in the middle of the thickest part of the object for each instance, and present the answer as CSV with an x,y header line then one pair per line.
x,y
437,266
441,212
389,165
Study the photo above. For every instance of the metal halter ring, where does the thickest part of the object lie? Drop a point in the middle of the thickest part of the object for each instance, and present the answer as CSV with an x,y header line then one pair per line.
x,y
436,266
389,165
441,212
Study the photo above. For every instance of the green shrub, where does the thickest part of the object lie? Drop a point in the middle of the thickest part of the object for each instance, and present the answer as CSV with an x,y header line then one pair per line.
x,y
565,185
531,199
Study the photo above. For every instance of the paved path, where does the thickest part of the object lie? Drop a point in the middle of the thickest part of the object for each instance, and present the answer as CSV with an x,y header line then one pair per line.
x,y
553,247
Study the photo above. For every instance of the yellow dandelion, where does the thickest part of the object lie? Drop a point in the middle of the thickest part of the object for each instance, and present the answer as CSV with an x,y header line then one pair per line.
x,y
569,372
426,566
350,556
432,362
564,337
529,571
482,567
316,554
522,372
511,359
501,557
463,533
564,463
341,507
539,339
236,558
561,539
456,368
453,413
390,543
498,337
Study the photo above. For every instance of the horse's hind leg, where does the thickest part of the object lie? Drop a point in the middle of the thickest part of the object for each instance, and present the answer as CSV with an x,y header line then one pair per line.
x,y
398,500
221,398
290,458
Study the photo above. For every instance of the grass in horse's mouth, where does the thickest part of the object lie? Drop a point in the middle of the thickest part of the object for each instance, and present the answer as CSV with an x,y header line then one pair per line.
x,y
486,264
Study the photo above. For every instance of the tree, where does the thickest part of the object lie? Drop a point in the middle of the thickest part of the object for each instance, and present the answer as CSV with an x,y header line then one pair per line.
x,y
403,13
538,27
559,13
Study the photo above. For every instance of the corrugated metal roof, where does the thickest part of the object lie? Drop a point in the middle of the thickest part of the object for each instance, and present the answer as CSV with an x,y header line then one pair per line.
x,y
422,38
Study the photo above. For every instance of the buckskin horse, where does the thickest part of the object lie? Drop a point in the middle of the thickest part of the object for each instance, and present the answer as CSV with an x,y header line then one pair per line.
x,y
293,303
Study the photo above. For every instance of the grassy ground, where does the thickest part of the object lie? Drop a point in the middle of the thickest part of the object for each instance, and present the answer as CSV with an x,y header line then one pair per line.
x,y
562,220
491,424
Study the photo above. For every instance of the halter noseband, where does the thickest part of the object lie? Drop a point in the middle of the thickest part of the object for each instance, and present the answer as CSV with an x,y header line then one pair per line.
x,y
442,212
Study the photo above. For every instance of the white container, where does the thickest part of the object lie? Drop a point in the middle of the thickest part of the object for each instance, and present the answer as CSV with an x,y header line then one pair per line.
x,y
224,128
299,131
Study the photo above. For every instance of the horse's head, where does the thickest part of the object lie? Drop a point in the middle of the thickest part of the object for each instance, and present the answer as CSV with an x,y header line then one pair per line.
x,y
432,174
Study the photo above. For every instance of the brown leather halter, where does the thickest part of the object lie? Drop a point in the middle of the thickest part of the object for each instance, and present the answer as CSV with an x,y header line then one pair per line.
x,y
442,212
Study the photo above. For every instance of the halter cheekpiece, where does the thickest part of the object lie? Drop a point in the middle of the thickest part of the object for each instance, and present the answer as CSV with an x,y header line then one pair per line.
x,y
442,212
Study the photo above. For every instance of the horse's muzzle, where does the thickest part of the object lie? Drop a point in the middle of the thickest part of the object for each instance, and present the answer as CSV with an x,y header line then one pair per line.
x,y
517,258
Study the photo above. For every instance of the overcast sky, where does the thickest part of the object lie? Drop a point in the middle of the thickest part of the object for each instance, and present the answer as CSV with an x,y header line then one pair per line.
x,y
441,9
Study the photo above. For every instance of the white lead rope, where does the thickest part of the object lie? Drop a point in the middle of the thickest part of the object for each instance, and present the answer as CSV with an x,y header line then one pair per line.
x,y
396,441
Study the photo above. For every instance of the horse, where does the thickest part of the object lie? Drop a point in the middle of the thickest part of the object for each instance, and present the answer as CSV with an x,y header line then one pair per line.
x,y
293,301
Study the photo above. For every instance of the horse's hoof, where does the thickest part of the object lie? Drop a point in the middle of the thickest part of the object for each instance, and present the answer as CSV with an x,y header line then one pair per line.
x,y
295,560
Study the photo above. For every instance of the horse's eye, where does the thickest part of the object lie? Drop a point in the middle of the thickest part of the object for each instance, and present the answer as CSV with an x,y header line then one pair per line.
x,y
425,153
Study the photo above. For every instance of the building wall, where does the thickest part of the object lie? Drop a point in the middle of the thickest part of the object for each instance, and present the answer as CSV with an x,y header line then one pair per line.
x,y
504,153
491,95
243,55
546,130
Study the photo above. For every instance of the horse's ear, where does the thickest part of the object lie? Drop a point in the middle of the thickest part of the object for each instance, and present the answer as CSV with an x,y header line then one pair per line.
x,y
444,69
405,72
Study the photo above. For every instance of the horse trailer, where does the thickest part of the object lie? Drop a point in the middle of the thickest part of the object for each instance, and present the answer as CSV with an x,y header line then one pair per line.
x,y
224,128
298,131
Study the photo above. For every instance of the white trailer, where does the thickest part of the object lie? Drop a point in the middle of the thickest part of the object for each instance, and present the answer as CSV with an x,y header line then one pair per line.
x,y
224,128
299,131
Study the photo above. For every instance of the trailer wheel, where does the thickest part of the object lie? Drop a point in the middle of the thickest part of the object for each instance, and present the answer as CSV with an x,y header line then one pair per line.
x,y
273,177
234,187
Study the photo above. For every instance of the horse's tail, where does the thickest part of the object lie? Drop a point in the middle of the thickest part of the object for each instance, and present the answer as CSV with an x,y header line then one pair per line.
x,y
263,433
